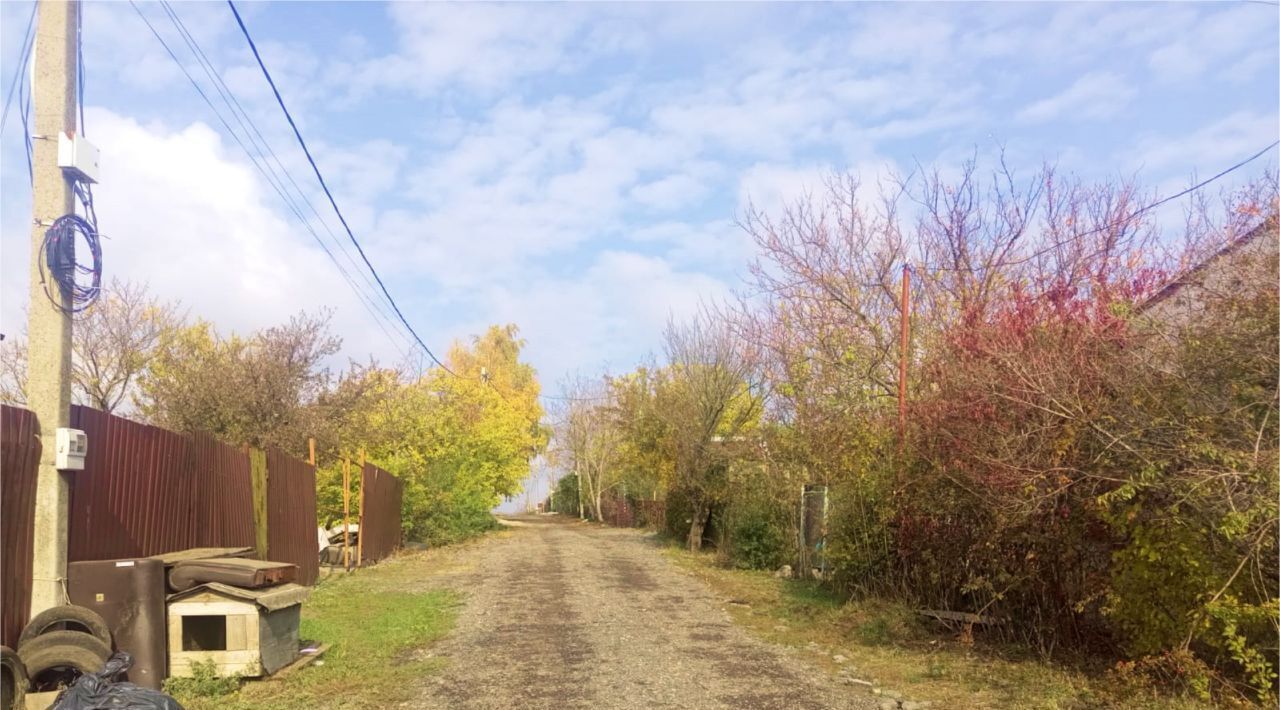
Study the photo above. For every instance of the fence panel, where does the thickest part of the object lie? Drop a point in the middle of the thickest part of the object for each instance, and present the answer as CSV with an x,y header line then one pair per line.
x,y
291,514
616,510
223,490
382,494
19,463
134,496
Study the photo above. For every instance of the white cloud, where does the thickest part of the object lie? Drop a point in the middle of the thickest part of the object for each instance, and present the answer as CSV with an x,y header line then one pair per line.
x,y
197,226
479,46
605,315
1092,96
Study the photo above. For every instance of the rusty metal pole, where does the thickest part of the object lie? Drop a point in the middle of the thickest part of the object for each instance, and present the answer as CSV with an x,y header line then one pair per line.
x,y
902,358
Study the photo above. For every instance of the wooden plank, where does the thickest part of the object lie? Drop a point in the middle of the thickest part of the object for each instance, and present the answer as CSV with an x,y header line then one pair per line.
x,y
218,608
175,634
303,661
237,638
258,473
963,617
227,662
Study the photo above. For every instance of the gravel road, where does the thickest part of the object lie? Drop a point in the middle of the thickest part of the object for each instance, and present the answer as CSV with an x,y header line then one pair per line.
x,y
561,614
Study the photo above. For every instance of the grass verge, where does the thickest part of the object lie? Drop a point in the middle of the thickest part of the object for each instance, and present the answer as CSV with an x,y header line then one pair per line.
x,y
378,622
890,646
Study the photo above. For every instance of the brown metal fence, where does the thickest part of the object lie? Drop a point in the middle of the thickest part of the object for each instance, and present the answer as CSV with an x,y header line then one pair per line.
x,y
19,462
380,500
134,496
223,513
623,511
291,514
616,510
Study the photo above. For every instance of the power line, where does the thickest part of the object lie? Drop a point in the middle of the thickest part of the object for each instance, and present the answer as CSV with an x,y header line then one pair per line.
x,y
1125,220
250,127
24,55
319,176
277,187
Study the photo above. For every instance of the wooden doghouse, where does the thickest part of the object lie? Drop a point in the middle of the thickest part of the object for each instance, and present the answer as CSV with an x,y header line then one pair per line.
x,y
252,632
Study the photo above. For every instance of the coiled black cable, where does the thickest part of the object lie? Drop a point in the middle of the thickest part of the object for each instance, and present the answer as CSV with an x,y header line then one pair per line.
x,y
58,261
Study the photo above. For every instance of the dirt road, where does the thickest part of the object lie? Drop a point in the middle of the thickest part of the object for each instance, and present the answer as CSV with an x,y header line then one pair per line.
x,y
561,614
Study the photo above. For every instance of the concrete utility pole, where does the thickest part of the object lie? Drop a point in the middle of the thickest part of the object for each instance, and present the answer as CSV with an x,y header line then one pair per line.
x,y
49,326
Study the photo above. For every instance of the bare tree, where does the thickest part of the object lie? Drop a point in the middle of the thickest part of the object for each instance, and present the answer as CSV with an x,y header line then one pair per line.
x,y
711,399
13,370
588,442
115,340
112,343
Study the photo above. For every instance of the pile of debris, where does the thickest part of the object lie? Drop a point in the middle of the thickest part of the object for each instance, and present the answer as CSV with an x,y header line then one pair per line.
x,y
165,613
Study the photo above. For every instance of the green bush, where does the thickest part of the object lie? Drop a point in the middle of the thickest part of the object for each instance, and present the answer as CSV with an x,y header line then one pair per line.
x,y
203,683
757,538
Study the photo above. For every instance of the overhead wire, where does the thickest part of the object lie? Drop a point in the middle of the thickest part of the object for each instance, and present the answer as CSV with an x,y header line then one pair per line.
x,y
269,173
1125,220
263,148
24,55
266,175
329,194
254,134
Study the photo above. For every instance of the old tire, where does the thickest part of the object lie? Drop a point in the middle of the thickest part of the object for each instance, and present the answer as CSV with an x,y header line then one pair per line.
x,y
58,657
66,618
13,680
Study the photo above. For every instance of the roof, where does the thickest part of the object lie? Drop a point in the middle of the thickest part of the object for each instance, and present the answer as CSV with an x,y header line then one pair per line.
x,y
1189,277
270,598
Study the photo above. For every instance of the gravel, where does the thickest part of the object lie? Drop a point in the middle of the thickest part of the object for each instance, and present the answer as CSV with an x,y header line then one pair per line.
x,y
560,614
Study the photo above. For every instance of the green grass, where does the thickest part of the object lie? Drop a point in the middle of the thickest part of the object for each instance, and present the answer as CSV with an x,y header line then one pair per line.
x,y
894,648
378,621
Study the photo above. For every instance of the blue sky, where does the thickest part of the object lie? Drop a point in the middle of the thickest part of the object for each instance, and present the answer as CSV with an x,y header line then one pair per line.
x,y
577,169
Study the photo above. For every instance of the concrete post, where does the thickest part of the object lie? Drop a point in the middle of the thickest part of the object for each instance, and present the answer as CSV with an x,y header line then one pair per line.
x,y
48,326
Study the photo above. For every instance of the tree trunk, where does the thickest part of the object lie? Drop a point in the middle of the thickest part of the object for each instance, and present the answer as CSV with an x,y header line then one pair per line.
x,y
701,511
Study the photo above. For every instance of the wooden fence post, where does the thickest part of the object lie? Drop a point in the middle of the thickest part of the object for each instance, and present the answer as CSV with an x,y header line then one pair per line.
x,y
258,474
346,514
360,528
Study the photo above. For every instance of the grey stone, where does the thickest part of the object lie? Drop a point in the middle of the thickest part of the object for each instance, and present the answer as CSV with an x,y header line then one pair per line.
x,y
888,705
784,572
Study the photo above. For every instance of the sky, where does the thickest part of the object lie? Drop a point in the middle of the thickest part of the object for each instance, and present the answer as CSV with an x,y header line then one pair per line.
x,y
578,169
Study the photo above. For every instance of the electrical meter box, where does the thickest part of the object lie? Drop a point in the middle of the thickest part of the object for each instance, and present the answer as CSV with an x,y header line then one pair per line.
x,y
78,157
72,447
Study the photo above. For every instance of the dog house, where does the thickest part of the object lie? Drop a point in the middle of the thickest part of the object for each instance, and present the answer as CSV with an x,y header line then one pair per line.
x,y
253,632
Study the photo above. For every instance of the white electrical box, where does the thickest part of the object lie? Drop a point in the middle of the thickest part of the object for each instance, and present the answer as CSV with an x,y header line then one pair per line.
x,y
72,447
78,157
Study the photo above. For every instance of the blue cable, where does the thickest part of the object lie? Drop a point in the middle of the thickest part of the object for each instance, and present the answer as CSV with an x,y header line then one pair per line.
x,y
21,72
324,186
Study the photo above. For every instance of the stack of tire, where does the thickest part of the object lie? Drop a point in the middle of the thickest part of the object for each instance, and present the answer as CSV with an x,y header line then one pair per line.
x,y
58,646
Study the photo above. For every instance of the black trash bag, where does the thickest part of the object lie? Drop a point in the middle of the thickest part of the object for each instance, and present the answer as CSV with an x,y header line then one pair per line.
x,y
100,691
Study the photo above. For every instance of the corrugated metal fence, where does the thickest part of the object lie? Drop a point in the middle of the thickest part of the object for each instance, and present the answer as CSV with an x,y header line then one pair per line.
x,y
623,511
291,514
19,462
147,490
135,496
380,500
224,509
